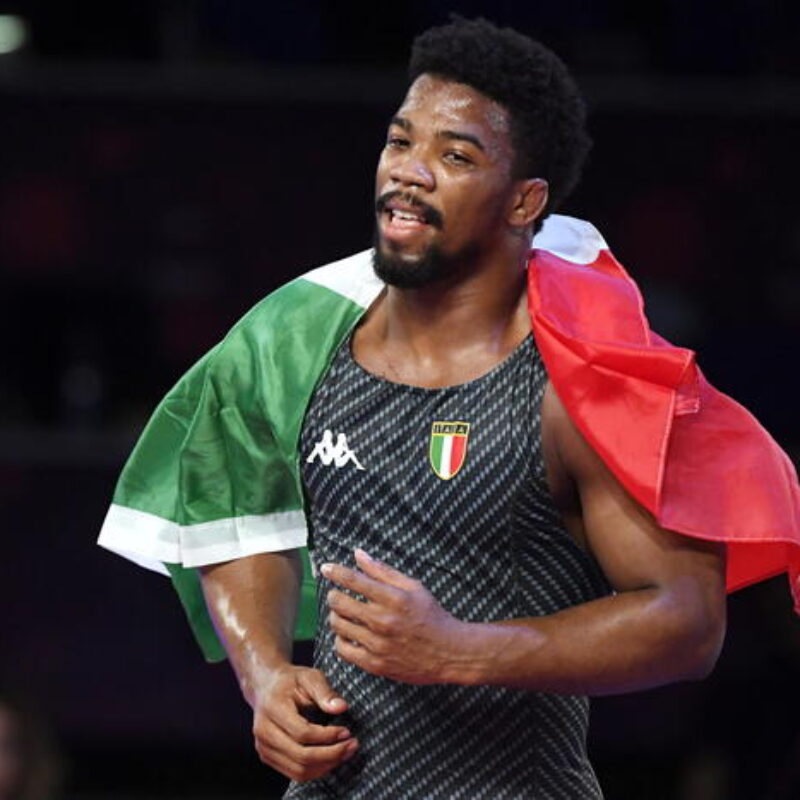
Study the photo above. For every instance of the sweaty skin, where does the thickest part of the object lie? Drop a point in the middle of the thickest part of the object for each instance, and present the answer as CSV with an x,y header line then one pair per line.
x,y
253,602
449,148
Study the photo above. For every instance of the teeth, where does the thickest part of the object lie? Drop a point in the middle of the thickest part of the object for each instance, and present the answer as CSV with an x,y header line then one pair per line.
x,y
406,215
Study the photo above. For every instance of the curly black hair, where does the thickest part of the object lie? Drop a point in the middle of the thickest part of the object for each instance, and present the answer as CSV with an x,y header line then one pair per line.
x,y
546,109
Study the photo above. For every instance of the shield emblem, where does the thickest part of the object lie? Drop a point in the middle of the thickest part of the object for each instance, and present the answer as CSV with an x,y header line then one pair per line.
x,y
448,447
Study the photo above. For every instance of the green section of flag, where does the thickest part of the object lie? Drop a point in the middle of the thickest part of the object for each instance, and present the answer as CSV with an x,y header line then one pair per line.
x,y
437,445
223,443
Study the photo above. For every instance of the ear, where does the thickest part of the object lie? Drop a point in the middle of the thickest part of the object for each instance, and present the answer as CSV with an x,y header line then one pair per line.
x,y
527,202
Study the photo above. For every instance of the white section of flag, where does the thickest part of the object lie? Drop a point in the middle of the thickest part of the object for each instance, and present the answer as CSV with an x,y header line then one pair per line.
x,y
447,455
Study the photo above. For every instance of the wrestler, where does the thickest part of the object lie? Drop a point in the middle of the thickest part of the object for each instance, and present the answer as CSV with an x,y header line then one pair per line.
x,y
515,495
529,567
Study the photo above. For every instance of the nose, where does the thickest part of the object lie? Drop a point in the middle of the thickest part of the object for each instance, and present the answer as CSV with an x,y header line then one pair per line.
x,y
411,170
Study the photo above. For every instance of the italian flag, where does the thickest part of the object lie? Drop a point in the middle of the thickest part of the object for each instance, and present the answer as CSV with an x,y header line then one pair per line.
x,y
215,474
448,447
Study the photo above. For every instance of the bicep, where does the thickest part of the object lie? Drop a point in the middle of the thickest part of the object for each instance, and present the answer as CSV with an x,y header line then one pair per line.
x,y
632,549
263,576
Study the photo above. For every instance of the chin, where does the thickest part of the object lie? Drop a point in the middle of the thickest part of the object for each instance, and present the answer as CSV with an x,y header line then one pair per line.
x,y
409,271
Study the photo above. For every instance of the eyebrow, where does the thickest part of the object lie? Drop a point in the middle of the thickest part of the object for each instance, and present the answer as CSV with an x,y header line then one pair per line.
x,y
461,136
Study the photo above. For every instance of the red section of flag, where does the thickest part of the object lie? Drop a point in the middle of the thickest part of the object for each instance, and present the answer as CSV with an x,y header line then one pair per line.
x,y
457,453
700,462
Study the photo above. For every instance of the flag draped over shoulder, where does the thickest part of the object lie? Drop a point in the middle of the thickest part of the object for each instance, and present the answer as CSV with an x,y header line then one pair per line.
x,y
215,474
700,462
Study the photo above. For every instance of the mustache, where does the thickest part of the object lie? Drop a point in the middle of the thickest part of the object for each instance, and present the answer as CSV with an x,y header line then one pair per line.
x,y
431,215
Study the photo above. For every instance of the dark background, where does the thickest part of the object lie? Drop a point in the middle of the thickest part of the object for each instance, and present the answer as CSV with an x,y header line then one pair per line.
x,y
164,165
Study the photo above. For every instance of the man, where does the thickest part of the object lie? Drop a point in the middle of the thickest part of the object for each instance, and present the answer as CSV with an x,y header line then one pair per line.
x,y
483,567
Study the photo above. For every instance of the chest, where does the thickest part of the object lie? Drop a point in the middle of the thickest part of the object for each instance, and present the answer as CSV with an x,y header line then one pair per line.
x,y
422,477
446,485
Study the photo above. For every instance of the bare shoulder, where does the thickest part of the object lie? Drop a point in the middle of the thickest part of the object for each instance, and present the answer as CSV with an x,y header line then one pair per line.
x,y
556,429
633,550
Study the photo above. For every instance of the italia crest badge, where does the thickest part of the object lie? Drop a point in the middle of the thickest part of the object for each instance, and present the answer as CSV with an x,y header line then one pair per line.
x,y
448,447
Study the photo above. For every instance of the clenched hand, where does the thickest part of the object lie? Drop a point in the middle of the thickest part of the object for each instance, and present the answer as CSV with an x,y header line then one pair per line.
x,y
284,738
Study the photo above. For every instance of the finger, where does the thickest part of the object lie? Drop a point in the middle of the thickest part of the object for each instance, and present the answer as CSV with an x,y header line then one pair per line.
x,y
293,770
307,763
355,610
294,725
319,691
356,634
272,735
383,573
358,582
359,656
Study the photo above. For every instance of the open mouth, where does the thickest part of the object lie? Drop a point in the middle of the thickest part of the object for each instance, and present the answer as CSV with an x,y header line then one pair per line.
x,y
402,217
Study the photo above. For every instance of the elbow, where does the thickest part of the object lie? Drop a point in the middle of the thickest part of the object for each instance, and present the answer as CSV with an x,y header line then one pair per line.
x,y
702,664
689,622
702,640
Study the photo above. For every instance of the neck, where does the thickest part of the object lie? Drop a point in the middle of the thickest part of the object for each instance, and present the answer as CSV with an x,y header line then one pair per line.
x,y
485,307
449,332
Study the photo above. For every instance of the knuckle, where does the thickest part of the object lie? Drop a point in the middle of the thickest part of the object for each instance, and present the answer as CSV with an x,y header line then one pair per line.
x,y
385,625
371,663
380,647
304,737
295,773
398,602
263,755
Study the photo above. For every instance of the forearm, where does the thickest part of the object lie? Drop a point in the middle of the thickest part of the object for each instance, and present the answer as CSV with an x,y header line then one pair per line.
x,y
253,602
625,642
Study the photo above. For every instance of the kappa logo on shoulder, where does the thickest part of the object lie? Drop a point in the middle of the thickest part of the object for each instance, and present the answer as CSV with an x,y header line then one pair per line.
x,y
338,454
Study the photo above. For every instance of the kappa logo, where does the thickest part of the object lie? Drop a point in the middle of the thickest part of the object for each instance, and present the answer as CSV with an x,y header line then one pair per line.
x,y
338,454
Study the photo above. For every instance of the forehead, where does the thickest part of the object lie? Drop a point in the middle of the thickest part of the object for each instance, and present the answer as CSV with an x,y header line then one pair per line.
x,y
446,104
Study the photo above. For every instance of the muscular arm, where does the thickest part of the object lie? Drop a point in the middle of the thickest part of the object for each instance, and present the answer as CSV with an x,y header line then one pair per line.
x,y
253,602
664,622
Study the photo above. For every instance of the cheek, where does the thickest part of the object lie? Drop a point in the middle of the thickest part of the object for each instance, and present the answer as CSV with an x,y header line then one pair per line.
x,y
479,210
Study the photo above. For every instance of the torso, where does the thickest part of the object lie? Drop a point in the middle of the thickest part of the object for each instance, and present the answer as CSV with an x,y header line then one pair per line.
x,y
483,535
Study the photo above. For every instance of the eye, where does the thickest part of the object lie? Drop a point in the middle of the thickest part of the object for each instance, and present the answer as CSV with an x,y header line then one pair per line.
x,y
457,157
396,142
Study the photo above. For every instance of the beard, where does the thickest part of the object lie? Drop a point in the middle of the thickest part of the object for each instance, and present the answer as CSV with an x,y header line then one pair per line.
x,y
394,270
433,266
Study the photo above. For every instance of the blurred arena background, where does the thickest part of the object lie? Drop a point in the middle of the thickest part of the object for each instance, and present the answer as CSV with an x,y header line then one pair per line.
x,y
165,164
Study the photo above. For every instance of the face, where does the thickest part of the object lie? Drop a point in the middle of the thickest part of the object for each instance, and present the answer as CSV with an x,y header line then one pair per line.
x,y
444,187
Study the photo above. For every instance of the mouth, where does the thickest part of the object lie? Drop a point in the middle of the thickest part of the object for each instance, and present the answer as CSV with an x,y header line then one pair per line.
x,y
402,221
403,218
400,213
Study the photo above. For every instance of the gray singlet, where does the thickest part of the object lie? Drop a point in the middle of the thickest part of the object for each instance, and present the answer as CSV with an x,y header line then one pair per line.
x,y
484,536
